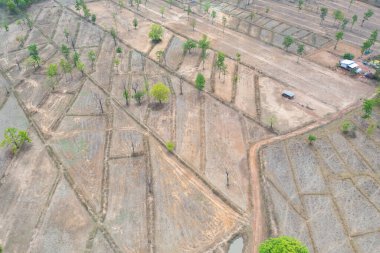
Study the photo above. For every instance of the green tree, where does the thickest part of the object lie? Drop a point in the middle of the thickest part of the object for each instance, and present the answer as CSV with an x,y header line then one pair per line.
x,y
367,108
160,92
373,37
204,45
200,82
188,11
34,55
93,18
160,56
67,34
66,67
338,37
324,12
224,22
213,16
300,51
338,16
113,34
80,66
300,4
135,23
126,96
354,19
156,33
139,95
188,45
76,58
238,57
65,50
311,138
367,15
220,62
206,6
92,57
15,139
193,23
162,11
288,41
344,23
282,244
366,45
119,50
52,73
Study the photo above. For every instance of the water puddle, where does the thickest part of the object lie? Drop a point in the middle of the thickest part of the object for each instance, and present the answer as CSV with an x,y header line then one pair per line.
x,y
236,246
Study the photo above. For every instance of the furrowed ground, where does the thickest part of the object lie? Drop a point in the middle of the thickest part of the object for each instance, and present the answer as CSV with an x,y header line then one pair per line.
x,y
98,177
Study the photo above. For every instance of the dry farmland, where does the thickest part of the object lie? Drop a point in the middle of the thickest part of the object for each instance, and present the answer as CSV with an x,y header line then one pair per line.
x,y
98,175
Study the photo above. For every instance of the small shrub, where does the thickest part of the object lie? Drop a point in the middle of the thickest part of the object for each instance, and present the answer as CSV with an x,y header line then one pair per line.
x,y
348,129
170,146
348,56
311,138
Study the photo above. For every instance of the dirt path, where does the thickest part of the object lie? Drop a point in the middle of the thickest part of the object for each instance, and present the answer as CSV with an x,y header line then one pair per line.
x,y
259,222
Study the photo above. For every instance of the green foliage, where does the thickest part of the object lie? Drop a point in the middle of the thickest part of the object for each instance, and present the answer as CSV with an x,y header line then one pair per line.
x,y
52,70
220,62
15,139
366,45
367,108
348,129
91,56
354,19
126,96
367,15
139,95
200,82
93,18
288,41
119,50
65,50
300,4
65,66
160,92
188,45
300,50
324,12
206,6
338,37
348,56
204,44
373,37
17,6
170,146
113,34
76,58
135,23
33,54
162,11
80,66
338,15
282,244
311,138
156,33
213,15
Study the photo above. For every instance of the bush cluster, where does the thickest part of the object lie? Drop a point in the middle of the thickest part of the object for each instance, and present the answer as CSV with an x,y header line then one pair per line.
x,y
16,6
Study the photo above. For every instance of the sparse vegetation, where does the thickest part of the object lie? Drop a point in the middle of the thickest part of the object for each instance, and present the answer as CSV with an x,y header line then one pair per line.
x,y
14,138
170,146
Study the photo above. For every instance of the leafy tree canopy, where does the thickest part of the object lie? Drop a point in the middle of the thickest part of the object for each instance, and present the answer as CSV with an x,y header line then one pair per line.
x,y
282,244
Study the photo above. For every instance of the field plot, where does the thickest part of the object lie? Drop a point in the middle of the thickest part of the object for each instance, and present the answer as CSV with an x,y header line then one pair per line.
x,y
111,168
332,187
